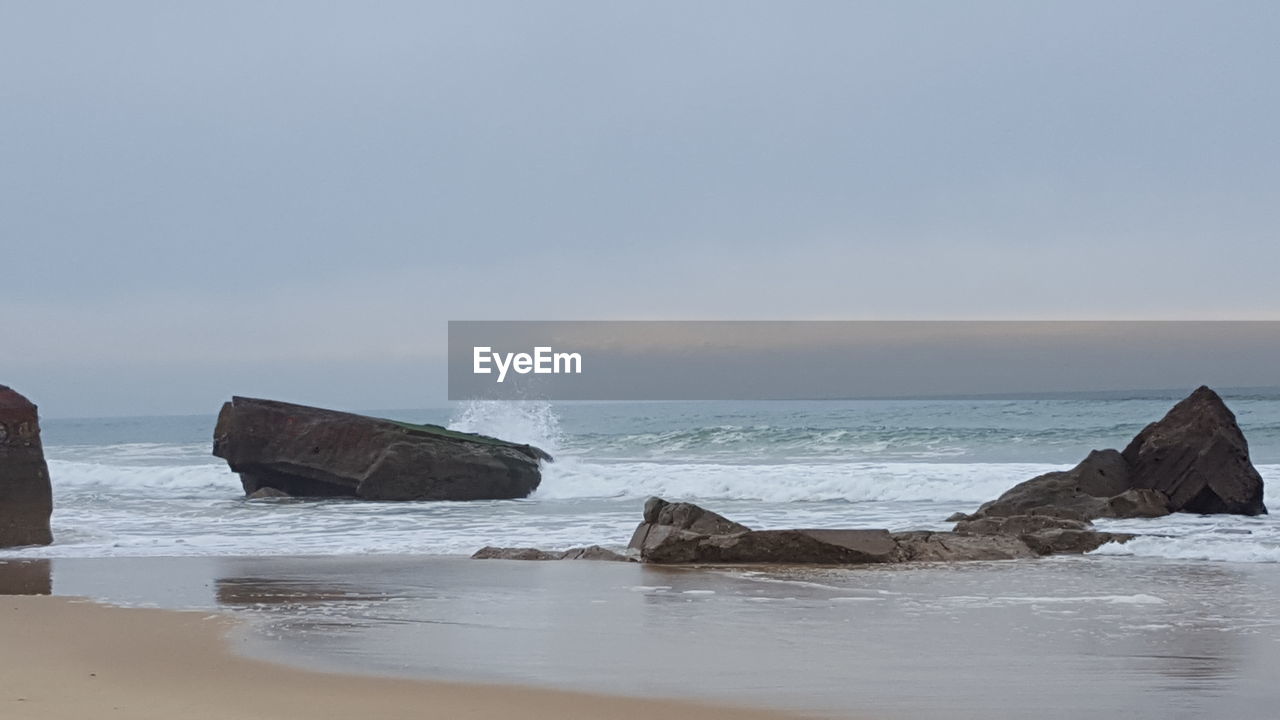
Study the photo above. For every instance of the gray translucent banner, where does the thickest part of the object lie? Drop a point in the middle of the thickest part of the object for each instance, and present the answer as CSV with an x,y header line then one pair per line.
x,y
766,360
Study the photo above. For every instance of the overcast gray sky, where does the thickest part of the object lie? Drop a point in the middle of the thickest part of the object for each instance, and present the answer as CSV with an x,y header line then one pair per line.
x,y
289,199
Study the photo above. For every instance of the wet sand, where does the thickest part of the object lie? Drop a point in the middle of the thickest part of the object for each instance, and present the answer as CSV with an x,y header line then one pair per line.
x,y
1055,638
64,659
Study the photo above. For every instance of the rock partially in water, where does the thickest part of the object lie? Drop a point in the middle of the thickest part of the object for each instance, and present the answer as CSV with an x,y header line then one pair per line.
x,y
666,544
1068,541
927,546
1017,525
26,496
1198,457
268,493
687,516
1195,459
311,452
1138,503
591,552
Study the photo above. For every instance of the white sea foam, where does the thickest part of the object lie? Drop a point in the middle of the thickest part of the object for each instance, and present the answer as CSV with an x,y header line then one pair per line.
x,y
1196,548
962,483
70,475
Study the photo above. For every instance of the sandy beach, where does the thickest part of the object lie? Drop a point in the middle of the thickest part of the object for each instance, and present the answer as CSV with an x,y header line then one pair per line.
x,y
319,637
68,658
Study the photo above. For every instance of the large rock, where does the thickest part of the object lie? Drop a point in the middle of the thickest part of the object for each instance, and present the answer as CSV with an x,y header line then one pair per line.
x,y
310,452
1198,457
26,498
1195,460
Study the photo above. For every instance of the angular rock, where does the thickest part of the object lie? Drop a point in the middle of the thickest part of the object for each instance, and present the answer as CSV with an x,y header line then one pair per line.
x,y
311,452
592,552
926,546
1198,457
26,497
687,516
1138,504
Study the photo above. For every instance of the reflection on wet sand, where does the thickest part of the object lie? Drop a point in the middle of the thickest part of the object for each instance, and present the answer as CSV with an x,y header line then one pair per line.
x,y
26,577
1148,640
273,591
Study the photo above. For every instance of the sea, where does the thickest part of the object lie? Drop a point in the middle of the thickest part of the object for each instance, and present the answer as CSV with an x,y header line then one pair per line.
x,y
1182,622
149,486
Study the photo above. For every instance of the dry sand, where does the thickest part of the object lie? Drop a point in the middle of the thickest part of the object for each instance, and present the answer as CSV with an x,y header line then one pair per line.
x,y
66,658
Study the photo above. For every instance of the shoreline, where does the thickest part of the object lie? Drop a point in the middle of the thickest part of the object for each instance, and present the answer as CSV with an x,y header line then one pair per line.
x,y
67,657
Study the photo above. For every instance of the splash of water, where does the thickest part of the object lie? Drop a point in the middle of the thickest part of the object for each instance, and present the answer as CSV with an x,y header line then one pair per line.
x,y
531,421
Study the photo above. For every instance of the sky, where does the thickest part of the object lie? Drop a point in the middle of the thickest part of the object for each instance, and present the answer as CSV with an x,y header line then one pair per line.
x,y
291,199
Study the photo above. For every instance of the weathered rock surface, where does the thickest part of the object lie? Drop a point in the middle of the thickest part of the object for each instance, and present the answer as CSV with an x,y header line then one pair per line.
x,y
1138,503
591,552
26,497
998,538
1199,458
311,452
1017,525
1059,541
926,546
667,544
1195,459
1044,534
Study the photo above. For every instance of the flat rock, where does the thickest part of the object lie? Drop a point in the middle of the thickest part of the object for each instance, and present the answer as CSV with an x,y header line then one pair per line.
x,y
591,552
666,544
312,452
1198,457
26,496
1057,541
1017,525
926,546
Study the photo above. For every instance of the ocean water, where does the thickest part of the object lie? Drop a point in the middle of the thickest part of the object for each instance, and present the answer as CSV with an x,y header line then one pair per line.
x,y
142,487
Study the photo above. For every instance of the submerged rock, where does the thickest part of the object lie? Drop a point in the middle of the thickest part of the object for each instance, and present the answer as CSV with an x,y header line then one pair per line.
x,y
1059,541
1017,525
684,533
591,552
26,497
1198,457
268,493
311,452
1195,459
